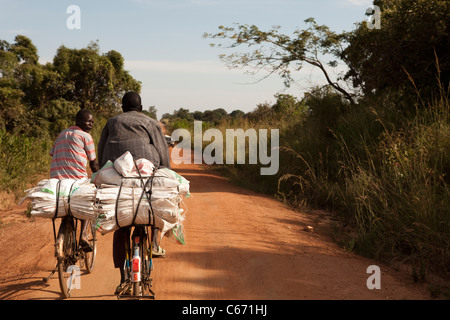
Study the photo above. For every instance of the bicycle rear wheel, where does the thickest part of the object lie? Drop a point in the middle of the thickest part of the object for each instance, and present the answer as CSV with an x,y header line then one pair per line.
x,y
137,289
146,263
139,238
89,257
67,271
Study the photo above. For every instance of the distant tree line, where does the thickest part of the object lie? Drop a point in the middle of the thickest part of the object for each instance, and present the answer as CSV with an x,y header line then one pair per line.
x,y
285,106
213,116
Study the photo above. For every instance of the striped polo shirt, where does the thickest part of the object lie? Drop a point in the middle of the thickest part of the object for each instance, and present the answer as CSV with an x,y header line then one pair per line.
x,y
71,151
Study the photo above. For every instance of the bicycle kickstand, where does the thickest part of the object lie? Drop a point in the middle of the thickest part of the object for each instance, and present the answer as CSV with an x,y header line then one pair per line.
x,y
51,274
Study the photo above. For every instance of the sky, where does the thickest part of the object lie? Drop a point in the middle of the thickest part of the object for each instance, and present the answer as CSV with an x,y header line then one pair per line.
x,y
162,43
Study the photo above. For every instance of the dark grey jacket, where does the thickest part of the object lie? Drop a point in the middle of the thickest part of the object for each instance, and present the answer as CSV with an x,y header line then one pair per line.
x,y
135,132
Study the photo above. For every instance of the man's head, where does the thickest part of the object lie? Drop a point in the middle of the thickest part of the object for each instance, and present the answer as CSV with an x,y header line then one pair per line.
x,y
85,120
131,101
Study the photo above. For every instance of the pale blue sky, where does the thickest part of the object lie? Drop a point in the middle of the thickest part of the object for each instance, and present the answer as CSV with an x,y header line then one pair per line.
x,y
161,42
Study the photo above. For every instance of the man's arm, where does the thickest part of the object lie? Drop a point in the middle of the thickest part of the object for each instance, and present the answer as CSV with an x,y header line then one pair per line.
x,y
161,146
94,165
101,143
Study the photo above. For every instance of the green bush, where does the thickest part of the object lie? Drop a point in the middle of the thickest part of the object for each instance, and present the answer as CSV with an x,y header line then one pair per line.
x,y
23,160
386,177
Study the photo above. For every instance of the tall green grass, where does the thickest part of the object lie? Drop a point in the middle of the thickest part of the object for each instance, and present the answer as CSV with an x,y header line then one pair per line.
x,y
383,172
22,161
387,178
399,196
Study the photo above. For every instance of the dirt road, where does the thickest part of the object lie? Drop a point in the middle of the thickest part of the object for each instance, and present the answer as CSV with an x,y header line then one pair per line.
x,y
239,245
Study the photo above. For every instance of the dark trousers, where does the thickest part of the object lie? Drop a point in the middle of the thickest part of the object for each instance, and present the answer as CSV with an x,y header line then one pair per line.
x,y
120,242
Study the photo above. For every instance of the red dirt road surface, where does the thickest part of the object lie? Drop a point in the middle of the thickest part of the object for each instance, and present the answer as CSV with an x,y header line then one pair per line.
x,y
240,245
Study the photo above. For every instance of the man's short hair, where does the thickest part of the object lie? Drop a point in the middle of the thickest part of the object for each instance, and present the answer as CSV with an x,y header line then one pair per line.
x,y
131,101
81,114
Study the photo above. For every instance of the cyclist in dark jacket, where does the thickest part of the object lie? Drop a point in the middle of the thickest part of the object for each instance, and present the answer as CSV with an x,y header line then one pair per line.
x,y
135,132
142,136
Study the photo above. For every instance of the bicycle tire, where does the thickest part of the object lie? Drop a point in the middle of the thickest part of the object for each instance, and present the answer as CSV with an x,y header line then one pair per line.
x,y
146,269
89,257
65,260
137,289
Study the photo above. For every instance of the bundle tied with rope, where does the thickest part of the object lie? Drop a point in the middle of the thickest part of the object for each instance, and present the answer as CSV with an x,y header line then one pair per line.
x,y
120,194
54,198
137,193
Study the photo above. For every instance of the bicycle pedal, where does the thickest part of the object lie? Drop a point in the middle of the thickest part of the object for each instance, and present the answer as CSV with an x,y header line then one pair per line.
x,y
85,246
86,249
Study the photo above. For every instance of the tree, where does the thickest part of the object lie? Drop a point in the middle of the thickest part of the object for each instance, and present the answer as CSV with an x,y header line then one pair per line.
x,y
236,114
15,59
287,105
12,110
167,116
25,50
262,113
214,116
98,81
198,115
182,114
151,112
39,100
278,53
414,36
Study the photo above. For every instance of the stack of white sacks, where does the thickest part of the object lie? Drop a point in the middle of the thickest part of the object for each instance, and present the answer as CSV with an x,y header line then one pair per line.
x,y
115,194
50,198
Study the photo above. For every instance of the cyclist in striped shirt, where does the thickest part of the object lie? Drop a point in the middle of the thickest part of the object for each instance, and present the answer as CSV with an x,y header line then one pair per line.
x,y
70,153
73,148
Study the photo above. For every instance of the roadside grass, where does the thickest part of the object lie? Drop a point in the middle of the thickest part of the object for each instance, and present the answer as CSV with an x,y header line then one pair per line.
x,y
383,174
22,161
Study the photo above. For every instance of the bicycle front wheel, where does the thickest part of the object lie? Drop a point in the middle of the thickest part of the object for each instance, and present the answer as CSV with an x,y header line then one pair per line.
x,y
67,270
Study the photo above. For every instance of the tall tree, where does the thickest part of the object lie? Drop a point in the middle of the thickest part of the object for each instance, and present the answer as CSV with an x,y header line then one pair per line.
x,y
278,53
13,57
151,112
414,37
98,81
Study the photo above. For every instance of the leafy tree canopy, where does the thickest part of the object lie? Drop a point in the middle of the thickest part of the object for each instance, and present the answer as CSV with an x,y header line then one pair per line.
x,y
412,45
39,100
414,37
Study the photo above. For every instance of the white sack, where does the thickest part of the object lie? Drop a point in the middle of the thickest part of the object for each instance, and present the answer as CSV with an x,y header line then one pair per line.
x,y
126,168
166,209
106,175
123,171
124,164
78,194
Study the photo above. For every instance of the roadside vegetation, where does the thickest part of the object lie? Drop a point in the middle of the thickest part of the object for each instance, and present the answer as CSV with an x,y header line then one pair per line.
x,y
37,101
372,145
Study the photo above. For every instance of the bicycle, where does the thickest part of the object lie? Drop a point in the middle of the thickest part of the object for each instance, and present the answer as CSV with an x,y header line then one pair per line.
x,y
138,264
68,251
